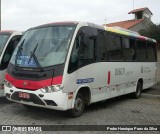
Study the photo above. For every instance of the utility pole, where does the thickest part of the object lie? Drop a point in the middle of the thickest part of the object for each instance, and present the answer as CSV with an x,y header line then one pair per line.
x,y
133,4
0,14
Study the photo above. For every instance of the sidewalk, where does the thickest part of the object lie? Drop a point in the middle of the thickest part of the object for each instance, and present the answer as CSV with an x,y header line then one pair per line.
x,y
153,92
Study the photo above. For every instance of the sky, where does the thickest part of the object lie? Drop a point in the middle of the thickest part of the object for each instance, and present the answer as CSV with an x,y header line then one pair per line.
x,y
24,14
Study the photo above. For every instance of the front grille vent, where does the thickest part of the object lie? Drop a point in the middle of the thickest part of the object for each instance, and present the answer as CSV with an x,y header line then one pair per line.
x,y
33,76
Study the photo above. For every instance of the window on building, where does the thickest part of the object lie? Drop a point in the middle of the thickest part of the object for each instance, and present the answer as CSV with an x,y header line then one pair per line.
x,y
139,15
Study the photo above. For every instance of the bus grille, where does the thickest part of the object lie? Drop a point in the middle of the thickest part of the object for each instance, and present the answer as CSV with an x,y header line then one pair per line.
x,y
34,76
33,98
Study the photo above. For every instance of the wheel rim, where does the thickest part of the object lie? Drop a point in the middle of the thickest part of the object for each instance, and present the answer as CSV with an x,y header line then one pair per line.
x,y
78,104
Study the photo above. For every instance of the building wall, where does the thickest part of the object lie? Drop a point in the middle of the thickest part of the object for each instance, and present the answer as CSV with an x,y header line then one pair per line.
x,y
142,25
147,13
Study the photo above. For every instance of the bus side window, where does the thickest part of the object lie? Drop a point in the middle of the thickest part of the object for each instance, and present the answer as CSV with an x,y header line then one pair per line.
x,y
83,51
9,50
101,50
73,63
128,49
87,46
151,52
114,50
141,51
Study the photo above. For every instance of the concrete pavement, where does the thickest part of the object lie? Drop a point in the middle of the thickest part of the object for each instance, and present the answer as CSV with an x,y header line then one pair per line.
x,y
153,92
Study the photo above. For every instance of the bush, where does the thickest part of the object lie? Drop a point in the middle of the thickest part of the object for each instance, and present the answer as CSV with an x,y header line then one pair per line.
x,y
153,31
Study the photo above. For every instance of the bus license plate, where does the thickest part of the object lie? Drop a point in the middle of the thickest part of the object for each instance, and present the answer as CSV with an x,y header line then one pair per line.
x,y
24,95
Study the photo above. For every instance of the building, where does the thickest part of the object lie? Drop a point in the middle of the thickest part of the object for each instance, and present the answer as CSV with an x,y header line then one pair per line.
x,y
142,19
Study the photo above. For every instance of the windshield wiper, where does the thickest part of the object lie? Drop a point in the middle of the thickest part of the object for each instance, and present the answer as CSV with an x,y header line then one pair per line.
x,y
35,57
18,51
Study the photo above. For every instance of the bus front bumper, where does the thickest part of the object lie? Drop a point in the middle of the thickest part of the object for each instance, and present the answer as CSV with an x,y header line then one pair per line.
x,y
56,100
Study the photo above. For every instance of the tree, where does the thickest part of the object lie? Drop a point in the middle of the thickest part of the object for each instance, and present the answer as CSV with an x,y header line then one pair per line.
x,y
153,31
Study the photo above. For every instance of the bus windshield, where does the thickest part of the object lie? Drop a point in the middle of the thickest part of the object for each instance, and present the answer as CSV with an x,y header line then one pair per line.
x,y
3,40
44,47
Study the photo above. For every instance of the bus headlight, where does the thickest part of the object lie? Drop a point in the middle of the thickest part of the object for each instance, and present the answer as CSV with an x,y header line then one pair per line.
x,y
8,84
51,89
46,90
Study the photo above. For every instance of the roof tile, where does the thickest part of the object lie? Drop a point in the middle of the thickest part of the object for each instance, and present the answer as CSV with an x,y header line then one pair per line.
x,y
125,24
137,10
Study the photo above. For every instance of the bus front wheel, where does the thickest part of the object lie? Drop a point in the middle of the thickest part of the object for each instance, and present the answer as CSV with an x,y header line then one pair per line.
x,y
79,106
137,94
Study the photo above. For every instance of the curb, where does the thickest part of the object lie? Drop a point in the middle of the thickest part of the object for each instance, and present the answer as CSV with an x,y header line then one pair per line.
x,y
144,95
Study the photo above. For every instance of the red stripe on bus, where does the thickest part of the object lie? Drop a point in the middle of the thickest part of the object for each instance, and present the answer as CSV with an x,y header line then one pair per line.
x,y
109,77
33,85
57,80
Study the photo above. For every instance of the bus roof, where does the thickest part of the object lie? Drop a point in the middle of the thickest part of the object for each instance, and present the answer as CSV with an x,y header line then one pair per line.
x,y
128,33
117,30
57,23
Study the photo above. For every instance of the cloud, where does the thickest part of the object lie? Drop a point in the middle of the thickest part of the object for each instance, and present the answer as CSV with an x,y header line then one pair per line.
x,y
23,14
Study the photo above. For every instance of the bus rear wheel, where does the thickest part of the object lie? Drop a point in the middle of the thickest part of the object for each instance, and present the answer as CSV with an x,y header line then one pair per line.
x,y
79,106
137,94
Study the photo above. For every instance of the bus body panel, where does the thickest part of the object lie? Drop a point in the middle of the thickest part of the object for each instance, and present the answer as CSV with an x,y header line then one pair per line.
x,y
123,79
3,71
55,101
34,80
121,83
103,79
2,76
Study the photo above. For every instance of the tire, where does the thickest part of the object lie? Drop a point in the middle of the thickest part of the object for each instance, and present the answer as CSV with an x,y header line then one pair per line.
x,y
137,94
79,106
